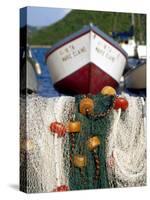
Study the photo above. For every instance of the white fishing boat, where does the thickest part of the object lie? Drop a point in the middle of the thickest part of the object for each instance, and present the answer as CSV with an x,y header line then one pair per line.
x,y
136,77
85,62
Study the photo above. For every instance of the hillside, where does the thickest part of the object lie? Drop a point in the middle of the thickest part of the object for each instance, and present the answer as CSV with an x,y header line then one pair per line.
x,y
76,19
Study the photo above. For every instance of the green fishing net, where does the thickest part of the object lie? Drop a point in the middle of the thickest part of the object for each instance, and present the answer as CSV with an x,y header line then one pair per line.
x,y
85,177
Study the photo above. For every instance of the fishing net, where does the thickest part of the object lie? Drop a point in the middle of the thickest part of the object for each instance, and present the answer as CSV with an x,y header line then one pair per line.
x,y
126,146
47,161
41,154
94,174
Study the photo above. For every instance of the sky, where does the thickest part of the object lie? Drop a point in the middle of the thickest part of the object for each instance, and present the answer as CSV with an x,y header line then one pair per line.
x,y
40,16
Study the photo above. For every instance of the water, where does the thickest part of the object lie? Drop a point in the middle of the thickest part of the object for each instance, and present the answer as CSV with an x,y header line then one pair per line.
x,y
45,82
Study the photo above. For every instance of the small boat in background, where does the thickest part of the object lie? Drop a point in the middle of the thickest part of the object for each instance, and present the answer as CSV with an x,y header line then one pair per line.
x,y
136,77
85,62
130,47
126,39
29,69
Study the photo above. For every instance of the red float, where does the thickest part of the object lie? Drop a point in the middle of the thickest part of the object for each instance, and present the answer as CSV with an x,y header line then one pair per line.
x,y
58,128
120,103
61,188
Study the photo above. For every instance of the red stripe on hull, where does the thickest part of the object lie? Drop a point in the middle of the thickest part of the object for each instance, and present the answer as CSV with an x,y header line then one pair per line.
x,y
88,79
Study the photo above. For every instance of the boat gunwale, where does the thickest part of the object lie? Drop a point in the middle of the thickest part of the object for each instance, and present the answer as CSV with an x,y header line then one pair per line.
x,y
82,32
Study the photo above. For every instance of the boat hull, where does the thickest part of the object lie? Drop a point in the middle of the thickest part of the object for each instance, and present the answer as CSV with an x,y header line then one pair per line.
x,y
136,78
86,63
94,80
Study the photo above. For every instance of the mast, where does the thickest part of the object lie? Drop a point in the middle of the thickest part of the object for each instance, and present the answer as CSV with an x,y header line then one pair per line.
x,y
133,24
139,27
133,20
